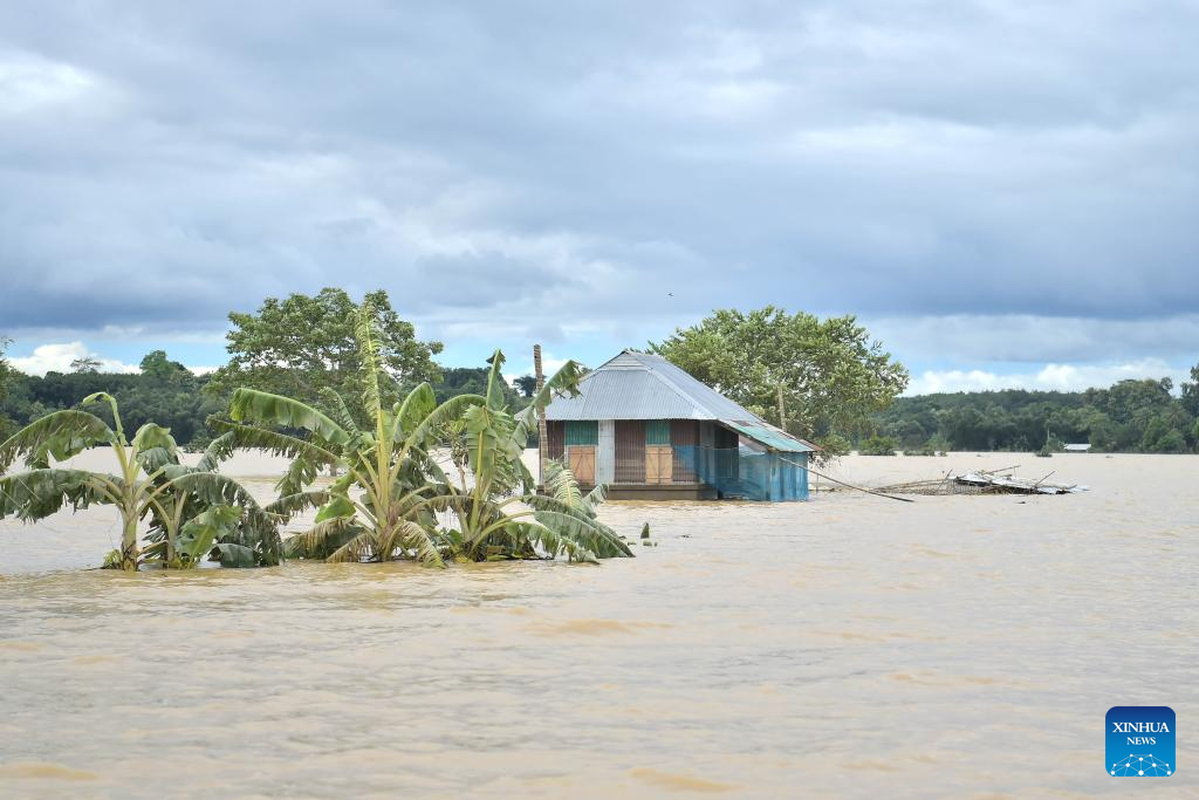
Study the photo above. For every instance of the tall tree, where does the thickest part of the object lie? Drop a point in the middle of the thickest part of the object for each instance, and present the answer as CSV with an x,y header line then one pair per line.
x,y
159,369
85,364
5,369
526,385
810,375
1190,392
5,377
302,346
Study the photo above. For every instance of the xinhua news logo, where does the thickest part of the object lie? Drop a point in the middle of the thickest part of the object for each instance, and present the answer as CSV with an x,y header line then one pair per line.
x,y
1140,742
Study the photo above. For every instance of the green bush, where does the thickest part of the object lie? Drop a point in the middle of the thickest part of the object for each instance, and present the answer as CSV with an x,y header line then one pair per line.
x,y
879,446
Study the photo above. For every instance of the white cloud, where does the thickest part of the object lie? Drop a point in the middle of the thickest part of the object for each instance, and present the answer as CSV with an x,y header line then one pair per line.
x,y
30,83
549,365
203,370
1060,377
58,358
842,168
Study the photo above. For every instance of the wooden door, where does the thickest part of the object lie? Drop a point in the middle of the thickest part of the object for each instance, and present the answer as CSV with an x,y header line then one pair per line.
x,y
659,463
582,463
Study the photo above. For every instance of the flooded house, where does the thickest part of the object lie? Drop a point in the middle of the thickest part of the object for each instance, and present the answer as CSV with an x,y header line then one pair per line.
x,y
651,431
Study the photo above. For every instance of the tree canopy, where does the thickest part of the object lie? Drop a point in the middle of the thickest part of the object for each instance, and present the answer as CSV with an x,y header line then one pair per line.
x,y
526,385
472,380
5,370
829,374
301,346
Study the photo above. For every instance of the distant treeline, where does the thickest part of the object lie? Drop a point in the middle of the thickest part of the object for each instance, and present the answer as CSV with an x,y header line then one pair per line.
x,y
300,346
821,379
1132,416
164,392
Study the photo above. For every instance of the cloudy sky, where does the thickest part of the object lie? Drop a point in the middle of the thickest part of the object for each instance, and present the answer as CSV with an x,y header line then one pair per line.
x,y
1005,192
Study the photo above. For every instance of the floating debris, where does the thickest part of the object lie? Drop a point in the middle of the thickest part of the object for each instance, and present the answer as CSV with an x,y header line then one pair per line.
x,y
1000,481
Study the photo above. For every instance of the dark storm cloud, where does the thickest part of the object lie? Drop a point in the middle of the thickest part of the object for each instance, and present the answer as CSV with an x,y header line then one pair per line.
x,y
560,163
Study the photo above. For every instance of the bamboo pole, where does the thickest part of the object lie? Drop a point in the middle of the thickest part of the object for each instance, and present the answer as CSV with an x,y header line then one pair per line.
x,y
542,428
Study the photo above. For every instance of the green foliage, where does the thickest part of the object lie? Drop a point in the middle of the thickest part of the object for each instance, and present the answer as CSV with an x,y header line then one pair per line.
x,y
301,346
1129,416
561,485
5,376
1162,437
473,380
37,493
833,445
157,368
879,446
167,393
386,502
189,508
832,376
1190,393
526,385
371,512
199,533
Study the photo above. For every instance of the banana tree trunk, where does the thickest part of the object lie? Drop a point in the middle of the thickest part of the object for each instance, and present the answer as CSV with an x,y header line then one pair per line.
x,y
129,552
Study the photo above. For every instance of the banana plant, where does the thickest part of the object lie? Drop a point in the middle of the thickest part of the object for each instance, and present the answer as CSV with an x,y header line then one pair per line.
x,y
385,503
501,515
561,484
149,483
199,516
374,511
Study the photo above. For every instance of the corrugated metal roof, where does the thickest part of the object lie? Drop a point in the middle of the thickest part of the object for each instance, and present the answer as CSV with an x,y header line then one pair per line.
x,y
642,386
769,436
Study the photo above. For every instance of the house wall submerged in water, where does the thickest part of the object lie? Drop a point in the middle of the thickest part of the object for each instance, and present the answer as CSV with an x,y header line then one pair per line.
x,y
650,431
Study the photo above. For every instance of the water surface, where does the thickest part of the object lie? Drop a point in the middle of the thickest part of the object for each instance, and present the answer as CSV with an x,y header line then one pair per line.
x,y
846,647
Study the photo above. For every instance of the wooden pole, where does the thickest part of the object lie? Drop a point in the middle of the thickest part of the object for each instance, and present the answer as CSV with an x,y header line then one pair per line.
x,y
542,435
782,409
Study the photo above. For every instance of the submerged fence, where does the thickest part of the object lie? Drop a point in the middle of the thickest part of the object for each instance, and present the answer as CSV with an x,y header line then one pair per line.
x,y
739,472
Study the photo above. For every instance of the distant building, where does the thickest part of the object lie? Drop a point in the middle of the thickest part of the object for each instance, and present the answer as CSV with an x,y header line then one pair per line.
x,y
1077,448
650,431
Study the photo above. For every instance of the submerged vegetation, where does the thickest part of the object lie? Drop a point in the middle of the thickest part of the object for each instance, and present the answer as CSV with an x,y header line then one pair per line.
x,y
387,499
193,511
391,497
348,391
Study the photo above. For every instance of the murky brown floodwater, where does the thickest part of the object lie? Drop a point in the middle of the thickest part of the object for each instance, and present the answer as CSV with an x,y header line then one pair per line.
x,y
847,647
